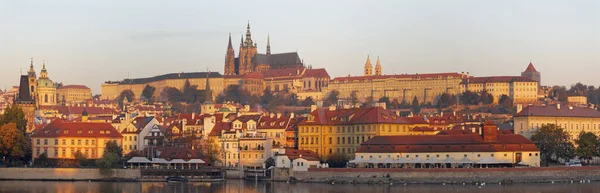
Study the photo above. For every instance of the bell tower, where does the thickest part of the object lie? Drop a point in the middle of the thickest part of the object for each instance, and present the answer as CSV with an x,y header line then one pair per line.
x,y
247,52
32,80
368,67
229,59
378,67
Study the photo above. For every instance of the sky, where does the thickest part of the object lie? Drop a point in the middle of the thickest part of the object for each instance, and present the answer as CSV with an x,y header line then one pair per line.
x,y
89,42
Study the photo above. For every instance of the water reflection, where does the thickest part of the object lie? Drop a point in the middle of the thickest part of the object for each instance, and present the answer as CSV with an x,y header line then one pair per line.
x,y
238,186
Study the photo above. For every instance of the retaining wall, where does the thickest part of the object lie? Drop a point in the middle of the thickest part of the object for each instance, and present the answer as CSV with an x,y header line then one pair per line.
x,y
66,174
457,175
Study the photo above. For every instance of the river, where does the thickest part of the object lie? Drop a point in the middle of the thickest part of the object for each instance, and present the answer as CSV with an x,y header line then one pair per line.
x,y
238,186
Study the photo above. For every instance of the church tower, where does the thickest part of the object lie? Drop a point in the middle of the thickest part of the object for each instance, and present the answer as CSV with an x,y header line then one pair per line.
x,y
247,52
46,89
532,73
378,67
268,44
32,80
368,67
229,59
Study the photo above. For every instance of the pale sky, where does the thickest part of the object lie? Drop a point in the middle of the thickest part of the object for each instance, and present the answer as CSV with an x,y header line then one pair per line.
x,y
89,42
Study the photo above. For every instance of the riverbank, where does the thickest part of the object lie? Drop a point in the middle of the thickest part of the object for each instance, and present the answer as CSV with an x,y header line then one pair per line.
x,y
447,176
69,174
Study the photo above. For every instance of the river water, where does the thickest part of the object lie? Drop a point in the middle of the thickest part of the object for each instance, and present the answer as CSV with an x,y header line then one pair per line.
x,y
238,186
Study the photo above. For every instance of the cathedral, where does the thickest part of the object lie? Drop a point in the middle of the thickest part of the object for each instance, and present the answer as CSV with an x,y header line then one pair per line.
x,y
249,60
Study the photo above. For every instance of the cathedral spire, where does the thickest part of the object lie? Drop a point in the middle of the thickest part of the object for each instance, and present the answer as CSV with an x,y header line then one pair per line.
x,y
31,66
268,44
248,41
368,67
229,44
378,67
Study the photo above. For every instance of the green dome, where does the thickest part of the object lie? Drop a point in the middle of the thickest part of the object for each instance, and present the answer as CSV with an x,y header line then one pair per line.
x,y
45,83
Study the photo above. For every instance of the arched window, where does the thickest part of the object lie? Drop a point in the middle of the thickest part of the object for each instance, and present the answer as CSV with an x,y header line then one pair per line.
x,y
46,98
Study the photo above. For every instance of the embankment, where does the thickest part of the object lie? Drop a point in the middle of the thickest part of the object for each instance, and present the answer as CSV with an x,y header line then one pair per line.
x,y
440,175
75,174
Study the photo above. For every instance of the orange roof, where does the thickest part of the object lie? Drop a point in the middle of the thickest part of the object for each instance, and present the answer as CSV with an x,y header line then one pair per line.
x,y
530,68
504,79
58,128
353,116
400,76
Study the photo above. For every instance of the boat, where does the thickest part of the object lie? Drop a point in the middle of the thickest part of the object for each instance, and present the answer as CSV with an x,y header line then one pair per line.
x,y
177,179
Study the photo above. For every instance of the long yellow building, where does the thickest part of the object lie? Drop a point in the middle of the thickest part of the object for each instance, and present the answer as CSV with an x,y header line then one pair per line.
x,y
327,131
112,89
574,120
74,93
62,139
520,89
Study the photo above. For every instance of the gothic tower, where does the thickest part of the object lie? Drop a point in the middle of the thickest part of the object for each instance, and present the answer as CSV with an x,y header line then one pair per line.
x,y
368,67
32,80
247,52
268,44
378,67
230,59
532,73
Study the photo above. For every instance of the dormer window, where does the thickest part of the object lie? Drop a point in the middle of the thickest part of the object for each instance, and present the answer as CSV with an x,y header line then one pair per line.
x,y
107,131
66,131
57,131
101,131
79,131
90,131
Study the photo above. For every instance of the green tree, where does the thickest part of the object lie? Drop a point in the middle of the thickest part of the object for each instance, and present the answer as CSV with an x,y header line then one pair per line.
x,y
269,162
14,114
42,160
127,94
148,93
552,141
469,98
505,104
337,160
354,97
172,95
189,92
486,98
332,97
385,100
308,101
80,158
587,146
416,106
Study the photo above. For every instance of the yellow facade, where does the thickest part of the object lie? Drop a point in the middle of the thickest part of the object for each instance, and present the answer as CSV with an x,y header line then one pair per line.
x,y
577,100
526,122
74,93
519,89
530,158
426,87
65,147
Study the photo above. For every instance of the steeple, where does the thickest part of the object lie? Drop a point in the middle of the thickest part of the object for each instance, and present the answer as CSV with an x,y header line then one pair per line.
x,y
368,67
242,40
229,46
248,42
268,44
378,67
31,70
44,72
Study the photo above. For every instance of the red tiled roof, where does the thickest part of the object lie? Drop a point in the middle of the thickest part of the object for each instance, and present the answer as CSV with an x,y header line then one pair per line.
x,y
319,72
530,68
219,126
74,87
446,143
293,154
553,111
283,73
504,79
353,116
58,128
253,75
68,110
400,76
267,122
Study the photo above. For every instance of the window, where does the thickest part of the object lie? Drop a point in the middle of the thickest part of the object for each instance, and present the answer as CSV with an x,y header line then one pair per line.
x,y
64,142
64,153
93,141
330,140
37,141
72,142
56,143
492,155
134,138
45,141
79,142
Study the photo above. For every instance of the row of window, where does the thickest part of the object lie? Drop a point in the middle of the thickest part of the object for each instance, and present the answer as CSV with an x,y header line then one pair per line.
x,y
130,138
340,140
64,142
84,151
447,155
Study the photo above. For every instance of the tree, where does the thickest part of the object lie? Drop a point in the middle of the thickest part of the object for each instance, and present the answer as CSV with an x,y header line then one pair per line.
x,y
552,141
469,98
148,93
127,94
332,97
486,98
80,158
110,158
308,101
385,100
445,100
172,95
189,92
415,107
354,97
505,104
587,146
42,160
14,114
13,142
269,162
337,160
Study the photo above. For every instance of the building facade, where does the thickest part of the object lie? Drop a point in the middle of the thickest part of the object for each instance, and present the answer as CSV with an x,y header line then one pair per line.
x,y
531,73
73,94
62,140
573,120
519,89
341,131
487,147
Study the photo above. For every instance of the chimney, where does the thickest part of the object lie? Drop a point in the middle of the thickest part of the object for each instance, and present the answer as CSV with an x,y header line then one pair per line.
x,y
473,129
442,114
193,116
398,113
454,113
570,107
313,108
558,106
292,115
519,108
380,104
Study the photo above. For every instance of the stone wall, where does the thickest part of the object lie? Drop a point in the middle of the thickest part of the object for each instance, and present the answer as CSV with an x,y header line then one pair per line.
x,y
459,175
65,174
